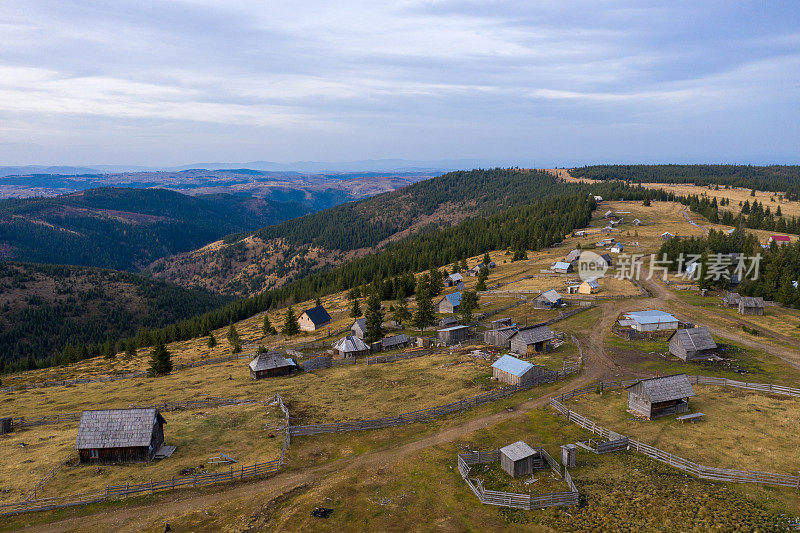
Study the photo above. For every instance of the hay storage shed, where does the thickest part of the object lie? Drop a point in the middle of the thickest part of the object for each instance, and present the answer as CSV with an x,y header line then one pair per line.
x,y
453,335
751,306
657,397
519,459
119,435
270,364
528,341
692,343
513,371
350,347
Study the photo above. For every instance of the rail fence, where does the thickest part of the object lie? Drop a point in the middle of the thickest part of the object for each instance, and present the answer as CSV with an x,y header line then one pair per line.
x,y
695,469
112,492
511,499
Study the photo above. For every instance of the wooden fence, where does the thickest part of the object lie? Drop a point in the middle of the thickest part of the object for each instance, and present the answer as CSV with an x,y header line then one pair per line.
x,y
118,491
695,469
512,499
396,357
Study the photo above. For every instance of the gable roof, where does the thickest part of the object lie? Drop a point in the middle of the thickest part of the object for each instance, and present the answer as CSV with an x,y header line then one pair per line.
x,y
453,328
749,301
455,277
607,259
512,365
666,388
448,321
732,297
454,299
360,324
350,344
270,360
551,296
562,265
573,255
318,315
116,428
534,334
652,316
518,450
395,340
592,283
695,339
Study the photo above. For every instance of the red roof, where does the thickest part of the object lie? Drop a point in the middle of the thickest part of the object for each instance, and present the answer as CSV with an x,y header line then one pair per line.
x,y
779,238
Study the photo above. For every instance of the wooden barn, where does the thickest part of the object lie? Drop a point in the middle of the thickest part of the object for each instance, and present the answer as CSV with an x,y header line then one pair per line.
x,y
657,397
120,435
271,364
732,299
449,304
396,342
547,300
573,256
501,323
314,318
453,279
350,347
751,306
528,341
519,459
653,320
447,322
590,286
514,371
453,335
692,343
359,328
562,267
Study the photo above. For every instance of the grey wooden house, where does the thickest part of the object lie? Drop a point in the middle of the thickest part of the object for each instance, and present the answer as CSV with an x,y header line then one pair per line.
x,y
657,397
519,459
449,304
732,299
119,435
547,300
359,328
453,335
692,343
751,305
271,364
396,342
499,336
509,369
527,341
350,347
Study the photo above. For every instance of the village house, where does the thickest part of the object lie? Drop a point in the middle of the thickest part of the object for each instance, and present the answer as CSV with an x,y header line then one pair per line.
x,y
608,214
751,305
447,321
396,342
359,328
453,335
453,279
662,396
667,236
528,341
120,436
499,336
779,239
562,267
652,320
607,229
590,286
501,323
617,248
449,304
314,318
350,347
509,369
519,459
691,344
547,300
573,256
270,364
732,299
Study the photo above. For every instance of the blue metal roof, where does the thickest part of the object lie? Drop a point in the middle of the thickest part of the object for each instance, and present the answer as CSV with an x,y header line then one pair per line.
x,y
453,328
561,265
651,317
512,365
455,298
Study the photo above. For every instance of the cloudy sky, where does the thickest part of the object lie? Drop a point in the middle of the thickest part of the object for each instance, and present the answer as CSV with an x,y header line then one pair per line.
x,y
555,83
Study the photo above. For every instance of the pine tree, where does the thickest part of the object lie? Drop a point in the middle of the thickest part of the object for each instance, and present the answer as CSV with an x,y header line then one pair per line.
x,y
290,325
233,335
318,302
108,350
130,350
374,319
469,303
237,348
454,270
435,283
355,310
160,359
267,327
401,312
486,258
464,264
212,340
425,315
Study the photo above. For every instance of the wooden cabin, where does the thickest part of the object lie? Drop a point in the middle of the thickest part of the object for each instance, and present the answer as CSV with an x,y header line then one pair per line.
x,y
514,371
449,304
396,342
692,343
562,267
499,336
590,286
271,364
119,435
453,335
519,459
547,300
350,347
657,397
5,426
453,279
314,318
528,341
751,305
732,299
652,320
359,328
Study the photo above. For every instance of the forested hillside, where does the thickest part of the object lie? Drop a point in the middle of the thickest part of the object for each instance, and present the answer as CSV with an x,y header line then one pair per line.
x,y
126,229
776,178
44,308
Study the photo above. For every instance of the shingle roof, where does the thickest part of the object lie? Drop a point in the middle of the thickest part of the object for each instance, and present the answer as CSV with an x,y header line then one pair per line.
x,y
448,321
695,339
395,340
518,450
360,324
574,255
551,296
455,277
512,365
592,283
667,388
732,297
535,334
350,344
749,301
270,360
454,299
651,317
318,315
116,428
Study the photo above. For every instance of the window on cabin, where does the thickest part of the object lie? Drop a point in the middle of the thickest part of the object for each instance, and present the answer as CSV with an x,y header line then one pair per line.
x,y
94,454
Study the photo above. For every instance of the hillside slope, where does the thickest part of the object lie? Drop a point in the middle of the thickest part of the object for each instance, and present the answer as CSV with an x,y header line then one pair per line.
x,y
125,228
275,255
44,307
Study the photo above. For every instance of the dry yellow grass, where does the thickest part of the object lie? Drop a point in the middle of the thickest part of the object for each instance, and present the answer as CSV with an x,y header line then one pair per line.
x,y
742,429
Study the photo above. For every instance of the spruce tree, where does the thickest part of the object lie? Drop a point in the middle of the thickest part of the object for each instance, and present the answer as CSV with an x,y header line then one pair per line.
x,y
267,327
290,325
130,350
486,258
469,303
160,359
435,283
355,310
108,350
374,319
212,340
318,302
233,335
464,264
425,315
401,312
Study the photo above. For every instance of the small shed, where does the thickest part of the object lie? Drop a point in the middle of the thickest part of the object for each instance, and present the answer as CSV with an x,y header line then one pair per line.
x,y
667,236
453,335
574,255
528,341
606,259
5,426
652,320
547,299
447,321
590,286
732,299
314,318
449,304
514,371
662,396
692,343
271,364
751,305
359,328
453,279
499,336
119,435
617,248
519,459
501,323
396,342
350,347
562,267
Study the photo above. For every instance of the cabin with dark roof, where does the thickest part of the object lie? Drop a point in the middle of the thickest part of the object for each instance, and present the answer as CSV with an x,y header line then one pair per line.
x,y
350,347
657,397
119,435
528,341
271,364
396,342
449,304
359,328
692,343
314,318
751,305
500,336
